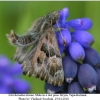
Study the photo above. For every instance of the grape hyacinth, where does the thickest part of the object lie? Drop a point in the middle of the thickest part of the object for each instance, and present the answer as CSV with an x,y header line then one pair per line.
x,y
81,62
10,81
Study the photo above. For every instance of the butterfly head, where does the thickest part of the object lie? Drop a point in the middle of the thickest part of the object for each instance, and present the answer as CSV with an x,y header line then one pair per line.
x,y
52,17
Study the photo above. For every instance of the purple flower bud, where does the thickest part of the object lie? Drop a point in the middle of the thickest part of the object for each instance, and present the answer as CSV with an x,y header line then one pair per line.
x,y
98,73
7,80
64,25
5,90
21,86
15,69
84,38
81,24
51,89
75,88
87,77
70,68
76,51
64,38
4,63
92,57
64,13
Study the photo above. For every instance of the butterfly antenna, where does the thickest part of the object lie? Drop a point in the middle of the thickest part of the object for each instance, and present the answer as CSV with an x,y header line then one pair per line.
x,y
64,41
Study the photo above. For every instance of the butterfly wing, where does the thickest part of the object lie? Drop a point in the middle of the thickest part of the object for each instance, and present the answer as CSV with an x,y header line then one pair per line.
x,y
43,60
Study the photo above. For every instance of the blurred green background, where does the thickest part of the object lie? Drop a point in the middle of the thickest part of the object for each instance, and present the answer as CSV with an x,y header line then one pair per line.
x,y
20,15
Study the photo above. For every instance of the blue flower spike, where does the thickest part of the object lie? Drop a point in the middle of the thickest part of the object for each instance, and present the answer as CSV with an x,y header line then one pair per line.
x,y
81,63
10,81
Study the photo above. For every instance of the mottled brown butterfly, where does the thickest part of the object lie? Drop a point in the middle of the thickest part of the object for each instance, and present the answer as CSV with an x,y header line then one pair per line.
x,y
38,51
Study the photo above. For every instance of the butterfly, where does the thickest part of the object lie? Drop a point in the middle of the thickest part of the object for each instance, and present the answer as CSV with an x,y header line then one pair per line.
x,y
38,51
